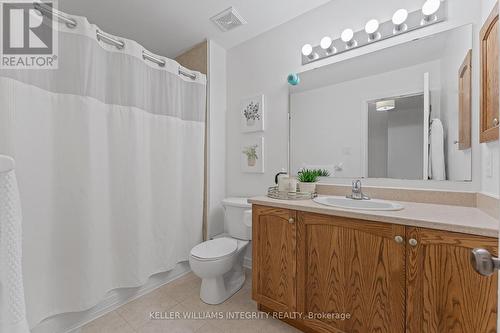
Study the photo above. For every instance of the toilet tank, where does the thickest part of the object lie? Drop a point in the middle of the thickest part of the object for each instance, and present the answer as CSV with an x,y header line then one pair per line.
x,y
237,218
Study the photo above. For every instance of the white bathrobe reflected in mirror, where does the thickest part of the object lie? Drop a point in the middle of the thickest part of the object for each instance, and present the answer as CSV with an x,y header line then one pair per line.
x,y
437,169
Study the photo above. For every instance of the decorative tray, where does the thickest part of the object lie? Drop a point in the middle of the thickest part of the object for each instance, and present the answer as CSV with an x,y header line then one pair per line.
x,y
273,192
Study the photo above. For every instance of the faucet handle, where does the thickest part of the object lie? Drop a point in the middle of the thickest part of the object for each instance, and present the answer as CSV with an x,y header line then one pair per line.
x,y
357,193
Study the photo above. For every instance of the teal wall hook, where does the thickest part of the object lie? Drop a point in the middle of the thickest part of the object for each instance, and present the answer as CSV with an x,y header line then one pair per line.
x,y
293,79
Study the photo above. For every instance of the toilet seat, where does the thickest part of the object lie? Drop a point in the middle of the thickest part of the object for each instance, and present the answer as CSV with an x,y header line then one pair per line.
x,y
215,249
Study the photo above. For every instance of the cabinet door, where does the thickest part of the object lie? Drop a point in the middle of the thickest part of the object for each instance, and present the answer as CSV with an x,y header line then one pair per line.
x,y
350,266
444,293
489,78
274,260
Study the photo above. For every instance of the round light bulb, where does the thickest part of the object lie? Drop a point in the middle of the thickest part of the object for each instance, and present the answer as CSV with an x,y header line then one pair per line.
x,y
371,26
400,16
430,7
347,35
307,50
326,43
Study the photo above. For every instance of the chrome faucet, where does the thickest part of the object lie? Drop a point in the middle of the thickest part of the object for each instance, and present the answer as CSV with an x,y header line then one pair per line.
x,y
357,193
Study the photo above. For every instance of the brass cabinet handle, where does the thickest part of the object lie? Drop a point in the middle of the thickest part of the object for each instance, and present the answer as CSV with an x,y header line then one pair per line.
x,y
291,220
413,242
399,239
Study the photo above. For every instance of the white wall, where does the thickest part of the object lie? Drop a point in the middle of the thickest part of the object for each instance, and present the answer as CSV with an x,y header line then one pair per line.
x,y
458,166
217,98
262,64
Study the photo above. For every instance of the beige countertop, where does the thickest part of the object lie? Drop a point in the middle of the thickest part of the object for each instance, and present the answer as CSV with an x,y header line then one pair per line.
x,y
467,220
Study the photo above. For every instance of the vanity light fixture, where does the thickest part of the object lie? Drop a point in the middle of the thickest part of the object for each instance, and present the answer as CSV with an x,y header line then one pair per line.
x,y
432,12
429,10
347,37
307,51
398,19
371,28
386,105
327,45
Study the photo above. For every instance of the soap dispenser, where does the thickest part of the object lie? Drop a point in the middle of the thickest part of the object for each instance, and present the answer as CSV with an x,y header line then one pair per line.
x,y
282,180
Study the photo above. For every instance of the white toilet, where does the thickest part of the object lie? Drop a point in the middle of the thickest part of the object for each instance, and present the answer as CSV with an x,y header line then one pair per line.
x,y
219,262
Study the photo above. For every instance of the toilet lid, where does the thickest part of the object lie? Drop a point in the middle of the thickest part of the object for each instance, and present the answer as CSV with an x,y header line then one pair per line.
x,y
216,248
236,202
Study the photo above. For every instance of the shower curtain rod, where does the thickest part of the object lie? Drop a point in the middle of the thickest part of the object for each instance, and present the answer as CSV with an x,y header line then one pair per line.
x,y
44,9
119,44
161,62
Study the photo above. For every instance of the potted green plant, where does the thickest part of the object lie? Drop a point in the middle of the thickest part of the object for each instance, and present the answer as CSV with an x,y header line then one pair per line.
x,y
251,153
307,180
323,172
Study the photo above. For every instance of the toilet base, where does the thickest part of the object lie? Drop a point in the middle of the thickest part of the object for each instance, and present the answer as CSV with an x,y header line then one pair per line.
x,y
217,290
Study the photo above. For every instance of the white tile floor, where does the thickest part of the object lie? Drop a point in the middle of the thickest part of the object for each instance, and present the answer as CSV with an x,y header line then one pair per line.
x,y
182,296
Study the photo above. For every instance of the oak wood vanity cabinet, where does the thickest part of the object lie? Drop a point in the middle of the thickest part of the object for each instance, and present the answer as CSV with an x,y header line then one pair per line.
x,y
389,278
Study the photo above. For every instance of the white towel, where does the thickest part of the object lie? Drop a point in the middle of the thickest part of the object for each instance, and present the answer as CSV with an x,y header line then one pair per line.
x,y
12,303
437,169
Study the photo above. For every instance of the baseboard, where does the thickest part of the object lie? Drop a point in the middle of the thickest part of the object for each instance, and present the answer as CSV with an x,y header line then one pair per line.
x,y
72,322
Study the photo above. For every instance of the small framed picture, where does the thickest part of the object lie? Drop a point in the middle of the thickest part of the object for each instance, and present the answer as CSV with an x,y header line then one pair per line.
x,y
252,155
252,114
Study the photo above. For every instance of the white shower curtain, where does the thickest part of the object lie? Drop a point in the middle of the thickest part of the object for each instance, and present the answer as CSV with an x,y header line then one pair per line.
x,y
109,152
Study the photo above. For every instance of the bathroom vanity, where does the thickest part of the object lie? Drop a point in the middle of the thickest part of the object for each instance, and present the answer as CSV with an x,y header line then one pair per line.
x,y
332,270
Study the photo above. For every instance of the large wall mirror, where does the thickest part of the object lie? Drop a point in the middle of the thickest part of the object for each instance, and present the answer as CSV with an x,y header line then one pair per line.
x,y
403,112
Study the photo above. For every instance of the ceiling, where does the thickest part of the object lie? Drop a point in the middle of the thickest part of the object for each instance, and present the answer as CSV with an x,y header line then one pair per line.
x,y
169,27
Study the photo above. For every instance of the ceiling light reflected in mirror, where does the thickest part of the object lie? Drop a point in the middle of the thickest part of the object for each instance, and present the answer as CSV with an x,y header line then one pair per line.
x,y
386,105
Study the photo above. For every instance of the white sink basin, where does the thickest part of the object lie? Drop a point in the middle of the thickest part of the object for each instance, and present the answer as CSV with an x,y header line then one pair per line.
x,y
346,203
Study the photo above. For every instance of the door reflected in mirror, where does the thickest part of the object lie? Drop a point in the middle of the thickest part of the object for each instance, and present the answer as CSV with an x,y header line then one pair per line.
x,y
396,127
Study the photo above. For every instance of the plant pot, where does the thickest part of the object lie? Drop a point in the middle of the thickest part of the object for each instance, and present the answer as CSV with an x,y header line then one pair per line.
x,y
251,161
307,187
250,122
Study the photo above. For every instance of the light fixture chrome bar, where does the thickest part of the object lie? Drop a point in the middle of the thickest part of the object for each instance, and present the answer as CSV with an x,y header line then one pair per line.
x,y
414,21
44,9
119,44
192,76
151,57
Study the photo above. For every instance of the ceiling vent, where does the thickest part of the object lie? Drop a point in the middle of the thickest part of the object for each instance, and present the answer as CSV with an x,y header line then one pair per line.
x,y
228,19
